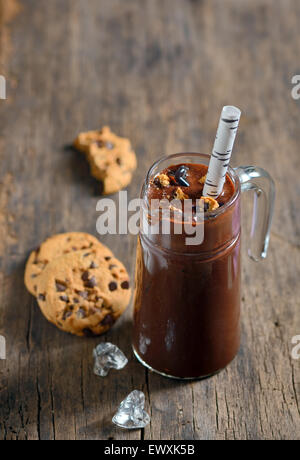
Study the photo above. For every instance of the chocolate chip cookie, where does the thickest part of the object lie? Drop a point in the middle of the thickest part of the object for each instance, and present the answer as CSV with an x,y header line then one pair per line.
x,y
84,293
54,247
84,140
112,160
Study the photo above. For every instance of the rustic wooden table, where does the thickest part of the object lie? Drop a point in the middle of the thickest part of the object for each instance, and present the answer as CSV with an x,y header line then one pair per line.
x,y
158,72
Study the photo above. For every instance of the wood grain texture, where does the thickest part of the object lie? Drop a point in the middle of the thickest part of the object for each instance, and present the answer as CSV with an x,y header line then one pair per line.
x,y
158,72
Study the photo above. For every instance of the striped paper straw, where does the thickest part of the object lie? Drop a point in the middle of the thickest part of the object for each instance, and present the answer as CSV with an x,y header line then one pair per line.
x,y
220,157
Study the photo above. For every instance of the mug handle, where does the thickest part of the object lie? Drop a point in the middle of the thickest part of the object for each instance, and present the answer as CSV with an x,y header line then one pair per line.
x,y
259,181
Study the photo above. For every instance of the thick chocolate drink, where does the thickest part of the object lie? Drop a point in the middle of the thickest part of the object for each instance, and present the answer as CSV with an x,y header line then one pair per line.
x,y
190,179
187,303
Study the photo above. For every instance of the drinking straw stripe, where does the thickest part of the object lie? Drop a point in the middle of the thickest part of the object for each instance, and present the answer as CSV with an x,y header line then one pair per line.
x,y
222,150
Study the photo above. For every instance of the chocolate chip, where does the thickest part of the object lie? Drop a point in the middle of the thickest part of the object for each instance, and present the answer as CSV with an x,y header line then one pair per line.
x,y
91,282
93,265
108,320
42,297
109,145
60,287
180,176
182,171
34,275
113,286
100,144
107,258
83,294
183,182
112,266
85,276
75,300
125,285
64,298
81,313
157,182
66,314
87,254
119,161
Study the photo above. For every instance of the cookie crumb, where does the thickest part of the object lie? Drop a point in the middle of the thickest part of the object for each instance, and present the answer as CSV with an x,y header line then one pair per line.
x,y
60,287
209,204
179,194
162,180
111,158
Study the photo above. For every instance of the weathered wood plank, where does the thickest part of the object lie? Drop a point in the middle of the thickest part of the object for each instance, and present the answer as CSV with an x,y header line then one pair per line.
x,y
158,72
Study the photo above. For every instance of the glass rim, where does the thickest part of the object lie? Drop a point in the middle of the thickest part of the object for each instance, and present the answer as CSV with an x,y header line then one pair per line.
x,y
232,174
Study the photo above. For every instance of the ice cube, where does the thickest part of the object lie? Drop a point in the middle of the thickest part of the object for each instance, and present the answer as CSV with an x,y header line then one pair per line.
x,y
131,414
108,356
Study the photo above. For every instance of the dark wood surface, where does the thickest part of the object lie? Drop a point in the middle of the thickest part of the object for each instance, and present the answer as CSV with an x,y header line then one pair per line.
x,y
158,72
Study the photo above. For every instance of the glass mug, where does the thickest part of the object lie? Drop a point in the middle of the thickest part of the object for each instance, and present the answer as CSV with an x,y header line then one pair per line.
x,y
187,299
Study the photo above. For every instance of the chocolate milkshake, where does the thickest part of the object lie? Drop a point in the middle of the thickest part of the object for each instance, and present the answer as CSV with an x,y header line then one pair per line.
x,y
187,303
